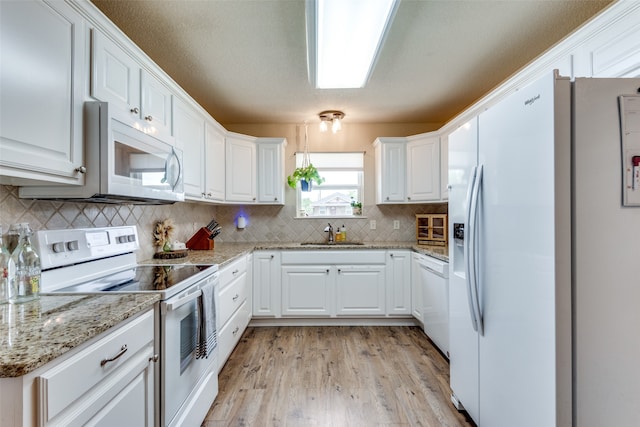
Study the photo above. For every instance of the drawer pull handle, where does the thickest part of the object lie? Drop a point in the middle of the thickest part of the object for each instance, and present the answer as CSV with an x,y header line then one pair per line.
x,y
154,358
235,298
272,256
235,331
234,272
122,351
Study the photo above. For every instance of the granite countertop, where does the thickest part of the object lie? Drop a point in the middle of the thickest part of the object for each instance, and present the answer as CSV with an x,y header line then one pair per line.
x,y
36,332
224,253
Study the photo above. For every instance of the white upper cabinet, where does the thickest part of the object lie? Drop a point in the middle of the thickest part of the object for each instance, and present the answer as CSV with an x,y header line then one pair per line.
x,y
240,182
408,169
42,54
423,168
189,131
391,159
271,170
117,78
444,168
214,169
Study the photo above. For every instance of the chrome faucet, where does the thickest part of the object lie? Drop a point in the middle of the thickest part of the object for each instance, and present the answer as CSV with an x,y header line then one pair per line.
x,y
329,229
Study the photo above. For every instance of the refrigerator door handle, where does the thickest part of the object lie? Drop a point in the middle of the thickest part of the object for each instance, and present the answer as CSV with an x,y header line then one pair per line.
x,y
467,249
473,248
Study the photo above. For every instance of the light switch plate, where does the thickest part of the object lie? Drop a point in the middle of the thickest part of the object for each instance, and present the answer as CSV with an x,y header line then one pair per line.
x,y
396,225
372,224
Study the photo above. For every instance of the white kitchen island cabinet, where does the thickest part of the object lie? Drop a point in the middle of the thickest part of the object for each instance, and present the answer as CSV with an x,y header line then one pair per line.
x,y
118,78
108,381
42,61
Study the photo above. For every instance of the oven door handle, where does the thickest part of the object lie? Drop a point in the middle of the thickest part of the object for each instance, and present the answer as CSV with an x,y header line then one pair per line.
x,y
173,305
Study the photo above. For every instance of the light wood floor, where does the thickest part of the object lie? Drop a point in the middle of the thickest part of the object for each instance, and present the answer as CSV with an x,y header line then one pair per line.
x,y
334,376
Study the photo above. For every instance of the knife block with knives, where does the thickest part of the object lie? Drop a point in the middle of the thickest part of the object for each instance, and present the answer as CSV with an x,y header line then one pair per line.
x,y
203,239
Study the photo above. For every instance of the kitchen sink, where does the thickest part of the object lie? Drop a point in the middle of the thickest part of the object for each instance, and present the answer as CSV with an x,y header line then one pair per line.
x,y
332,244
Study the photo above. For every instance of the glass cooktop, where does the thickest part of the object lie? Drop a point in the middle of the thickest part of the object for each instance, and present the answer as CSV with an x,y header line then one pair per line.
x,y
142,278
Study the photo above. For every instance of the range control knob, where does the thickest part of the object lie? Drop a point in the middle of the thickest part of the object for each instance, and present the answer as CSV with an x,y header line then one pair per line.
x,y
58,247
131,238
122,239
73,245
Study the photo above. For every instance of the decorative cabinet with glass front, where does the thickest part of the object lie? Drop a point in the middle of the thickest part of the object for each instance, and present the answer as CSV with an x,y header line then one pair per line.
x,y
431,229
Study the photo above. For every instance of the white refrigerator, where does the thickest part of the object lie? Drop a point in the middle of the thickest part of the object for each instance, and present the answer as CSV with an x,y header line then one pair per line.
x,y
516,280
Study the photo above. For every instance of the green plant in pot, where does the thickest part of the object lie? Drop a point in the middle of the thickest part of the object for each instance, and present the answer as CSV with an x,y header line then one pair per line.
x,y
306,175
356,207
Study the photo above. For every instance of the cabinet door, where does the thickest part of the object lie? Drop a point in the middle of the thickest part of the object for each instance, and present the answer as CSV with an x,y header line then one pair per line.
x,y
306,290
214,168
155,103
42,91
416,287
115,75
392,172
360,290
266,284
399,282
271,172
444,168
423,169
240,174
189,135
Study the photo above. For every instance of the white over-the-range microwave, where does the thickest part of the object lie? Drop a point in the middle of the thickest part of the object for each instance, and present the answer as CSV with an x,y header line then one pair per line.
x,y
125,162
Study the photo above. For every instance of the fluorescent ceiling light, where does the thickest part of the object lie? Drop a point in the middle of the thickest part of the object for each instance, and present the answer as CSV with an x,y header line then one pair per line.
x,y
343,39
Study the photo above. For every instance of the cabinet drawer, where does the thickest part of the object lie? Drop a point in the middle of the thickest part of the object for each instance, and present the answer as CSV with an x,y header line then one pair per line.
x,y
231,297
62,385
334,256
233,270
230,334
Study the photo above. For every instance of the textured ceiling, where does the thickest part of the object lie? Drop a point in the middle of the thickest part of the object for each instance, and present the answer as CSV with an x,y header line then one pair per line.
x,y
244,61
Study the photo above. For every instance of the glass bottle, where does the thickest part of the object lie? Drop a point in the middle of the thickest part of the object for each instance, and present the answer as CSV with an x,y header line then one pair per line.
x,y
13,237
26,279
4,271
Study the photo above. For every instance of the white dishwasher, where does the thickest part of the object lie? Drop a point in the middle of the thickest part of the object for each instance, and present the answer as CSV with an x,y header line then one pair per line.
x,y
434,280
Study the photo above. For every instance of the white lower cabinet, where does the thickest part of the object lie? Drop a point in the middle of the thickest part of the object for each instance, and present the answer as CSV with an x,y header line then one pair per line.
x,y
307,290
399,282
266,284
107,382
360,290
234,307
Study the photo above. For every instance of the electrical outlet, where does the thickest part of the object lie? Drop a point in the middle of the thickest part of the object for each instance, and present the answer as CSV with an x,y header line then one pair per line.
x,y
396,225
372,224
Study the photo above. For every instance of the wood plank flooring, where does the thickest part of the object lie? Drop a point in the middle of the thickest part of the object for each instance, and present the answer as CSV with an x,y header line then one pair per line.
x,y
334,376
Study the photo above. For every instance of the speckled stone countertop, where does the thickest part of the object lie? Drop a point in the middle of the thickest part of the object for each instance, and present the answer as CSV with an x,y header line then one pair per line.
x,y
223,253
36,332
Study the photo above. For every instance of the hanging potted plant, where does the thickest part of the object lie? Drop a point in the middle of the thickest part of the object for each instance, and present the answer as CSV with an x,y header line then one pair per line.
x,y
307,173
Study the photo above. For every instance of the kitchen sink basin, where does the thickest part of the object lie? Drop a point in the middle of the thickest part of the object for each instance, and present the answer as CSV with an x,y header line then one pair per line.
x,y
332,244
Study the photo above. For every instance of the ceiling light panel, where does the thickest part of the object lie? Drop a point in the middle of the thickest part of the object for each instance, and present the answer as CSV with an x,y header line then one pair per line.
x,y
349,34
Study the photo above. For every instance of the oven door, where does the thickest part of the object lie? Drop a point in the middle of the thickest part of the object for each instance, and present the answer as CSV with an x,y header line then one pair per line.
x,y
181,371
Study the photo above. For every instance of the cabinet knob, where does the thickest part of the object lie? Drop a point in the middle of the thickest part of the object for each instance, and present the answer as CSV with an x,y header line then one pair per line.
x,y
155,358
135,110
149,118
339,270
391,255
387,197
235,298
327,271
408,198
80,169
272,256
209,194
275,199
235,331
203,194
254,199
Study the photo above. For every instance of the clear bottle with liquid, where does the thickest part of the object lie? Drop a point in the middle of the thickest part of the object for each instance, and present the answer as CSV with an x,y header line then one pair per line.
x,y
4,271
13,237
25,264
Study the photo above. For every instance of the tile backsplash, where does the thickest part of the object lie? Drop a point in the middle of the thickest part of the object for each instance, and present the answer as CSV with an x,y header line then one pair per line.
x,y
264,223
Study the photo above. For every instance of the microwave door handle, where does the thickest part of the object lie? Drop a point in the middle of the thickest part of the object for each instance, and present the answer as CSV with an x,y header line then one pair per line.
x,y
174,154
